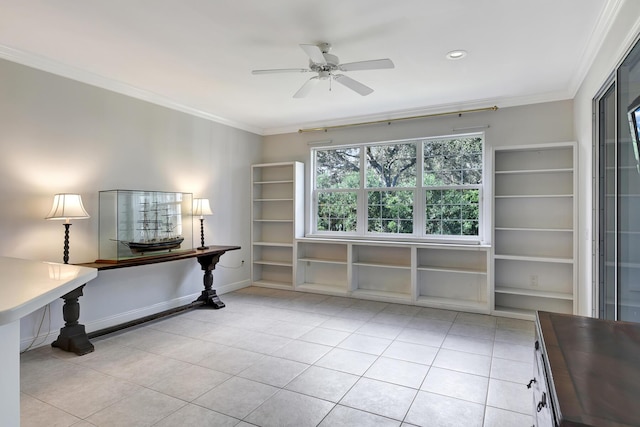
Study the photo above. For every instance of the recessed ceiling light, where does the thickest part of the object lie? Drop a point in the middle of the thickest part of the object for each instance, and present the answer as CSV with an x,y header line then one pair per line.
x,y
456,54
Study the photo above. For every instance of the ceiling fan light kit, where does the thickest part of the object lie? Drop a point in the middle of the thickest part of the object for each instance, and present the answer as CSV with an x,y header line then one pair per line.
x,y
327,66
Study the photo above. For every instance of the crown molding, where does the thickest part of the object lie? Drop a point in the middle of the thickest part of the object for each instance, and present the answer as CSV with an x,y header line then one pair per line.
x,y
48,65
594,44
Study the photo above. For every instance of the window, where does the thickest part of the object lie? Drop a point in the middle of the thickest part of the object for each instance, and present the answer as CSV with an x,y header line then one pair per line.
x,y
419,188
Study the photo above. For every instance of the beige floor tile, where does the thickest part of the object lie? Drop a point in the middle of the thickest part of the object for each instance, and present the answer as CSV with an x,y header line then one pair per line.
x,y
190,382
323,383
302,351
197,416
287,408
381,398
460,385
330,337
35,413
351,362
343,416
399,372
236,397
274,357
143,408
274,371
433,410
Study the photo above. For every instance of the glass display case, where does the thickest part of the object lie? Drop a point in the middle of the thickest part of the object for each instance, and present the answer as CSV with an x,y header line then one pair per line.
x,y
136,224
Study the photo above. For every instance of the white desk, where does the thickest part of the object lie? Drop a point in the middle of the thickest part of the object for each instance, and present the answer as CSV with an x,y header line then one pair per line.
x,y
25,286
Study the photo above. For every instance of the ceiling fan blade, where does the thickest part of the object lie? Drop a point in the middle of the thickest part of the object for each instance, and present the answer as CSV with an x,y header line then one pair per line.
x,y
281,70
374,64
306,88
353,84
314,53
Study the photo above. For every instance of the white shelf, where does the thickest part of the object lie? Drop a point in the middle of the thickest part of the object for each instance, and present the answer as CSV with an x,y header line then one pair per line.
x,y
534,259
534,230
323,261
269,262
452,270
278,244
382,295
381,265
517,313
273,284
273,200
452,303
273,220
533,293
322,288
533,196
533,171
286,181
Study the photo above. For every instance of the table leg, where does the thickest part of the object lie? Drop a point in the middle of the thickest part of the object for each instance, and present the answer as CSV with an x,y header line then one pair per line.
x,y
209,296
73,336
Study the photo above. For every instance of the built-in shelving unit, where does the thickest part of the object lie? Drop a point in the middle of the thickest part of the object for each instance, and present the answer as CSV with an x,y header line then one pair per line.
x,y
451,277
277,196
534,233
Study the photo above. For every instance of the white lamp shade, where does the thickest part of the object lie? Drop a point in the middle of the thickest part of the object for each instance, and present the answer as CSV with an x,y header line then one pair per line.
x,y
67,206
201,207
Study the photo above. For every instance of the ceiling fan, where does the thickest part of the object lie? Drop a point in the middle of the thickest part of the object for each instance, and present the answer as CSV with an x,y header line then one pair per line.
x,y
326,65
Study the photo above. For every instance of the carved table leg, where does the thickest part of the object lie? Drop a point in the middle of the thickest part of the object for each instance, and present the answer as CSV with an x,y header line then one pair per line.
x,y
72,336
209,296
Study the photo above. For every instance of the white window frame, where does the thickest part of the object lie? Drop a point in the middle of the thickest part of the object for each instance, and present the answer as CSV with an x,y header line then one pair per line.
x,y
419,195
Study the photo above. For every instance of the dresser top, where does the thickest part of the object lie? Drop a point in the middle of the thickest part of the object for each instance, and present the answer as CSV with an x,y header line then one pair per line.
x,y
595,369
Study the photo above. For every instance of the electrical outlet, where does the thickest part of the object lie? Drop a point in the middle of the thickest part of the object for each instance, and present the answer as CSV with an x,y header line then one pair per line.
x,y
533,280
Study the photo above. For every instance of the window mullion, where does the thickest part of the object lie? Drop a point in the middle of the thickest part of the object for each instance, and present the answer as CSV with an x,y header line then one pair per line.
x,y
418,198
362,194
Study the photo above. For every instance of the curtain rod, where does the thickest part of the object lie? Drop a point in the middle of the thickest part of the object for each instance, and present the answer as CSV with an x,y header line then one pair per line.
x,y
389,121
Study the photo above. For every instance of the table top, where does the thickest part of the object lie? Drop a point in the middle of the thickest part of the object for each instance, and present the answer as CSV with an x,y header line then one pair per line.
x,y
171,256
27,285
595,369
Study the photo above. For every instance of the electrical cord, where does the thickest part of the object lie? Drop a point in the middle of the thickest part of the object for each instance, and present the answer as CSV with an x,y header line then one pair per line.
x,y
47,310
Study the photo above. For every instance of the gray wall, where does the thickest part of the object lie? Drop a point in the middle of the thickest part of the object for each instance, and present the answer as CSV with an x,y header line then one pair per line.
x,y
58,135
531,124
546,123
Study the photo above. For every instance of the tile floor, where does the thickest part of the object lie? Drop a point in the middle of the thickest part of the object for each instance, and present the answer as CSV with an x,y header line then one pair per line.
x,y
278,358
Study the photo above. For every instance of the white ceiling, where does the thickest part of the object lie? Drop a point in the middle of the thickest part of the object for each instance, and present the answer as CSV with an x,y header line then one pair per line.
x,y
197,55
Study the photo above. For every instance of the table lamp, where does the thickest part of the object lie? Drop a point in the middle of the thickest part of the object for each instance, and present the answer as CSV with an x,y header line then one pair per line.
x,y
201,208
67,207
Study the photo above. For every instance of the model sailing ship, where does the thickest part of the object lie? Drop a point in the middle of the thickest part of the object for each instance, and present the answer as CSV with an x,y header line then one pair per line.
x,y
156,231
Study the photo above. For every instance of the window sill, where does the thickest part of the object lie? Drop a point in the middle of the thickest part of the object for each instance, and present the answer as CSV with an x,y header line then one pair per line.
x,y
395,242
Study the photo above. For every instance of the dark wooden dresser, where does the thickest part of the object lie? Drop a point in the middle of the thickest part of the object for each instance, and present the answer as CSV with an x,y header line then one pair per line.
x,y
586,372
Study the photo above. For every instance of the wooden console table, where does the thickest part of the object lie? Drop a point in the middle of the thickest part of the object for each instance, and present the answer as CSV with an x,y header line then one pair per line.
x,y
586,372
73,337
26,286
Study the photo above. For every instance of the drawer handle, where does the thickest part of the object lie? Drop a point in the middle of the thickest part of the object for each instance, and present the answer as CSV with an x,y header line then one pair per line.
x,y
542,403
533,380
